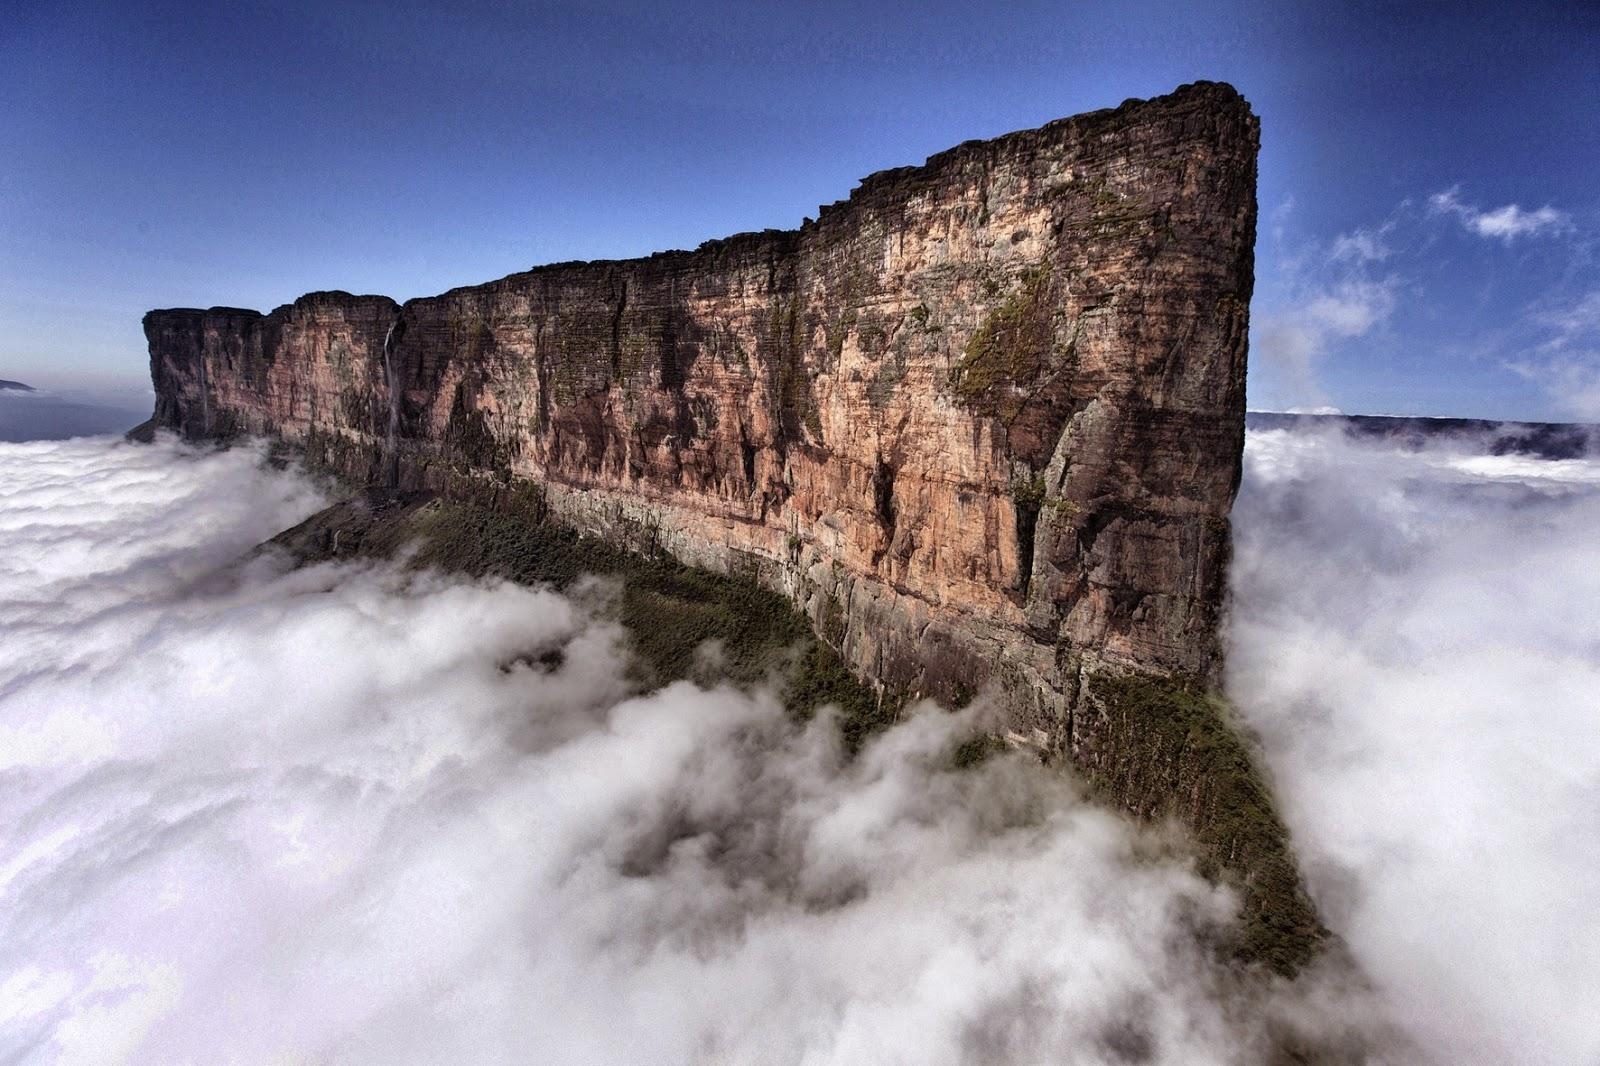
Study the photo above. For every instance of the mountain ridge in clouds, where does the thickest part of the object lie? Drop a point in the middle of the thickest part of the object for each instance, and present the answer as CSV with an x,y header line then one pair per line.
x,y
1546,440
357,810
27,414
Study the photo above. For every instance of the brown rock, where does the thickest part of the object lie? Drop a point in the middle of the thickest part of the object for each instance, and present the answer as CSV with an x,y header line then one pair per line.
x,y
982,420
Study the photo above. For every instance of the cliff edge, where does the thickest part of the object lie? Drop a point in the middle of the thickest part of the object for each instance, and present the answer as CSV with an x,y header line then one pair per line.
x,y
981,422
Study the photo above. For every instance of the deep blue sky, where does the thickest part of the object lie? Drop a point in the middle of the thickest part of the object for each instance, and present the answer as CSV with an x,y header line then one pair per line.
x,y
1429,198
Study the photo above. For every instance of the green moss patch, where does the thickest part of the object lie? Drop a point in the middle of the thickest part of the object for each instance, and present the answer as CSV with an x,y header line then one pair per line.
x,y
1166,748
976,750
1010,350
669,610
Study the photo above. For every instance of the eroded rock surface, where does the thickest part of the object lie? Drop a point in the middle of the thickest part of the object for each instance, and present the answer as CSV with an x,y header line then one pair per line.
x,y
982,420
981,423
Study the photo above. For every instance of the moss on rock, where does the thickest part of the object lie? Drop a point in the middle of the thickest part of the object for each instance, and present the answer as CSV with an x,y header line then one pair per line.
x,y
669,610
1166,748
1009,350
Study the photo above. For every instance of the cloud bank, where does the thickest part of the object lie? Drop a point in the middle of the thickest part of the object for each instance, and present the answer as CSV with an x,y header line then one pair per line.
x,y
347,813
350,814
1415,637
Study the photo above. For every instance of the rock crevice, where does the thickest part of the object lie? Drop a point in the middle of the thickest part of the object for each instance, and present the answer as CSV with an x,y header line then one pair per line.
x,y
982,421
997,399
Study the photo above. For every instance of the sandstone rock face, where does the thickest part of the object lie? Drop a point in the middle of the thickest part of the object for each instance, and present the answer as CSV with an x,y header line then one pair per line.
x,y
982,420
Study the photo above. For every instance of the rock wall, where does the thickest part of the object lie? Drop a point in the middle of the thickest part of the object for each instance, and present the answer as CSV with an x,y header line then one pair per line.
x,y
982,420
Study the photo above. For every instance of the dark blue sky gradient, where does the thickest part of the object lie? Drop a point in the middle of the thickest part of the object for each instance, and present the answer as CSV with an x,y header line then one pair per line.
x,y
172,154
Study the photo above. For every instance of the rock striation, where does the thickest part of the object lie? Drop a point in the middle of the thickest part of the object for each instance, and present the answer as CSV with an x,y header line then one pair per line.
x,y
981,422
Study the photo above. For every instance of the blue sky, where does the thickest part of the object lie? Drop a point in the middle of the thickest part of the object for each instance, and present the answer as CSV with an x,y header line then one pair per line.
x,y
1429,221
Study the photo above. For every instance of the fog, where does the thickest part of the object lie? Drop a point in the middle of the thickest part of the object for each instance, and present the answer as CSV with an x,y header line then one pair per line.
x,y
259,814
1416,636
351,814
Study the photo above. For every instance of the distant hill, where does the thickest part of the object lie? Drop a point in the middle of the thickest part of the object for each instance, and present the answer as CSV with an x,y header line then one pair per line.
x,y
1547,440
26,414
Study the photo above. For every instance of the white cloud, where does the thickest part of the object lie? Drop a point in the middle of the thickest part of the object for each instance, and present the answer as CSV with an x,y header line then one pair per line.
x,y
258,814
1414,637
1293,339
1351,308
1565,359
1505,223
262,815
1361,246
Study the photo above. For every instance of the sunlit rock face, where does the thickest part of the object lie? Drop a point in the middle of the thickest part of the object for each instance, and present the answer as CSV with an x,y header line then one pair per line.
x,y
982,420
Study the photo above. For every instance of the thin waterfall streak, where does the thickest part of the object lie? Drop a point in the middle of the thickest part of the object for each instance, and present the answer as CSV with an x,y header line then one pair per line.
x,y
392,379
205,399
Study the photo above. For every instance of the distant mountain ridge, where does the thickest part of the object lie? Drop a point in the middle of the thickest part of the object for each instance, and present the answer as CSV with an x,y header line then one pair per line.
x,y
27,413
1546,440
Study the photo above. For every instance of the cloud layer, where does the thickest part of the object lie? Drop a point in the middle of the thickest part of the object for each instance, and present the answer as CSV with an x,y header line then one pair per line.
x,y
345,814
350,814
1416,639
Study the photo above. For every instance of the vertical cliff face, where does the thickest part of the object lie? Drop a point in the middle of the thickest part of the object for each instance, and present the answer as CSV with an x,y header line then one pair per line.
x,y
982,421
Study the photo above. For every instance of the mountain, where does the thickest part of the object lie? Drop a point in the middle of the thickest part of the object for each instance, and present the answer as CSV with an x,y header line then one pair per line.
x,y
981,423
27,413
1546,440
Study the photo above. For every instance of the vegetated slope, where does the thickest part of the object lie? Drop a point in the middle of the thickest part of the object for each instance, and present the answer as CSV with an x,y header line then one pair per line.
x,y
1189,761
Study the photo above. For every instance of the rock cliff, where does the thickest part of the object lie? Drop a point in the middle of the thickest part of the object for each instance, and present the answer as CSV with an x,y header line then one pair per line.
x,y
981,421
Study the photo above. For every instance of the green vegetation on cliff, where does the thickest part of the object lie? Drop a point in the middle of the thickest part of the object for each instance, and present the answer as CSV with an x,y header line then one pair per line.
x,y
669,610
1011,348
1161,749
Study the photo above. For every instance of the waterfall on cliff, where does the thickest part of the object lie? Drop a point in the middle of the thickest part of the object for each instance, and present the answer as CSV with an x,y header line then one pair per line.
x,y
391,379
205,398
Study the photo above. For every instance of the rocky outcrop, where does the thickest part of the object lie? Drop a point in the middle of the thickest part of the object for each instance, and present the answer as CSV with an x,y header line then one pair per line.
x,y
982,420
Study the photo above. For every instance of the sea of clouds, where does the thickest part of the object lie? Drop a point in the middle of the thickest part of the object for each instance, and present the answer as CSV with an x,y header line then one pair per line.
x,y
1416,637
349,814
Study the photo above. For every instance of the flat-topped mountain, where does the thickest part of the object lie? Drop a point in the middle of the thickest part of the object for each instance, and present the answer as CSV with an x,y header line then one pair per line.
x,y
981,422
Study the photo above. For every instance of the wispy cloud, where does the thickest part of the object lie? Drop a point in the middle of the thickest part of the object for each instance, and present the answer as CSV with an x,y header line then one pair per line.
x,y
1572,382
1503,223
1565,361
1362,246
1383,282
1294,338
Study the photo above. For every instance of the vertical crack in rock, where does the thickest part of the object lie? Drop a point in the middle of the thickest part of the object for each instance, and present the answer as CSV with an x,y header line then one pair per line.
x,y
999,397
1028,496
616,331
883,495
205,398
